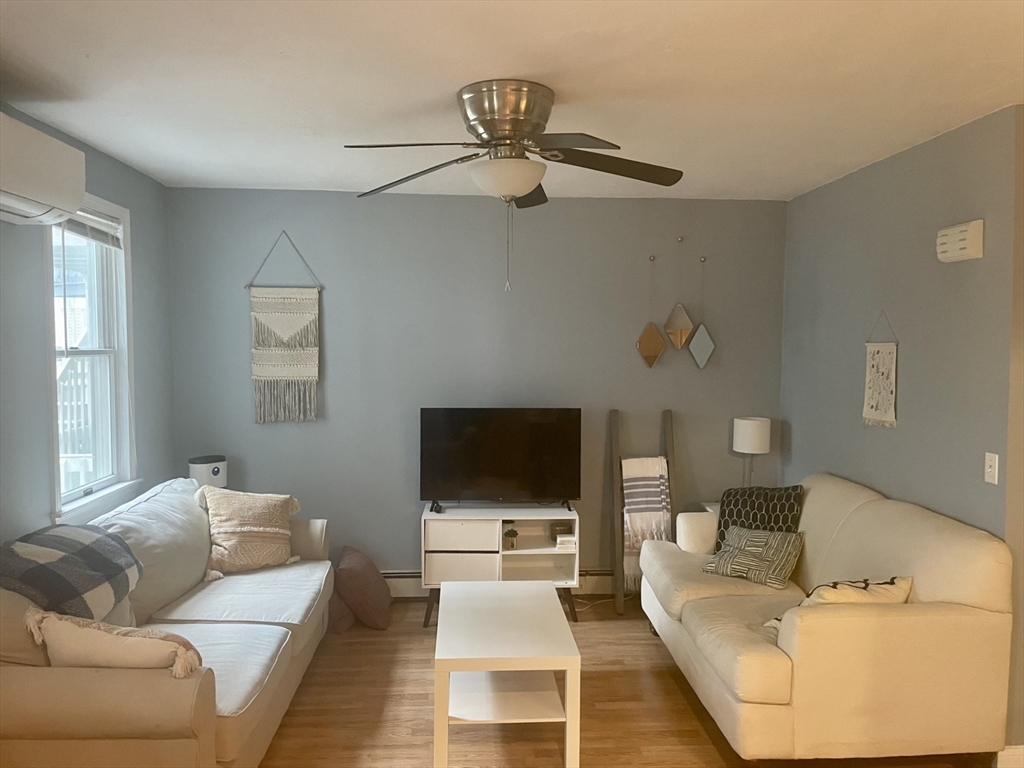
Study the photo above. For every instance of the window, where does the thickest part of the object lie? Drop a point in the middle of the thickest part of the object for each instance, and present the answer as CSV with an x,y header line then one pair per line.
x,y
91,372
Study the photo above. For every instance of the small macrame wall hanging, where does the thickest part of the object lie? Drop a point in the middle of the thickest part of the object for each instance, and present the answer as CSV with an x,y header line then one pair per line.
x,y
285,346
880,378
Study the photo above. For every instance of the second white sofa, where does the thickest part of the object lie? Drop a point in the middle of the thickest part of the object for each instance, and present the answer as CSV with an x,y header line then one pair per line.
x,y
927,677
257,633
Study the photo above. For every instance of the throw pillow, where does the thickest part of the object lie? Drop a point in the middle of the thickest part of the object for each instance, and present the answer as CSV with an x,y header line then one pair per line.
x,y
78,570
248,531
894,590
363,589
74,642
339,616
760,509
763,557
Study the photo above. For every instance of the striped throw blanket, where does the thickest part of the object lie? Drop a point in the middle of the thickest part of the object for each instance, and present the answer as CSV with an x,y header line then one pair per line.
x,y
647,511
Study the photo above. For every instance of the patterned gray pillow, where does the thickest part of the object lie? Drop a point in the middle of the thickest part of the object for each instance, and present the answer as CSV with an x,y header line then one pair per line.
x,y
760,509
763,557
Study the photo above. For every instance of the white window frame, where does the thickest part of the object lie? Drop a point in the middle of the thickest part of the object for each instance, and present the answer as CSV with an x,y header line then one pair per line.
x,y
84,504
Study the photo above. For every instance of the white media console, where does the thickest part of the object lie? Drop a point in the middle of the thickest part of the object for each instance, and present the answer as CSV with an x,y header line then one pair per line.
x,y
466,542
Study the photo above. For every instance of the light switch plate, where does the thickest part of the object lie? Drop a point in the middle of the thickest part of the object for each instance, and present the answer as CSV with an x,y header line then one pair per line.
x,y
992,468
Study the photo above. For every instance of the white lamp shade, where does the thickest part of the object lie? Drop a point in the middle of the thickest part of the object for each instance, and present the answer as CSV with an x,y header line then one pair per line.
x,y
752,434
507,177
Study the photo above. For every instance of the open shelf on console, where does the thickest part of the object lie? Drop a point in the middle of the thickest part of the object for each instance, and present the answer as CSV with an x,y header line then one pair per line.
x,y
559,568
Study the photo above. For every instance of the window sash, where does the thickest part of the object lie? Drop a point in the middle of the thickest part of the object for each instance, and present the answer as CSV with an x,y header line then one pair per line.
x,y
115,348
88,397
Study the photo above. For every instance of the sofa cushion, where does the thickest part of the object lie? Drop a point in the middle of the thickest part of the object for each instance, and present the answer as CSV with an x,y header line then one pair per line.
x,y
292,596
16,643
248,662
676,578
951,562
170,535
729,633
827,501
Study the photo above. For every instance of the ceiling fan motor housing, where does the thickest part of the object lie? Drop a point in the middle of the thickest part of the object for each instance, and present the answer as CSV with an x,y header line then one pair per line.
x,y
505,109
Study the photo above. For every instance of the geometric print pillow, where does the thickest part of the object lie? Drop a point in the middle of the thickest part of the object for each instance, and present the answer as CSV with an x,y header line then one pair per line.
x,y
763,557
760,509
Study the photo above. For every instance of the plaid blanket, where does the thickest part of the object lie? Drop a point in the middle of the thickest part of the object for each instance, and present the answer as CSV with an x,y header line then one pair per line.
x,y
76,570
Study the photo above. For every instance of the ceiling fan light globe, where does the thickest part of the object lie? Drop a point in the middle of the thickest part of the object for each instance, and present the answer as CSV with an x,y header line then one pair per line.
x,y
507,178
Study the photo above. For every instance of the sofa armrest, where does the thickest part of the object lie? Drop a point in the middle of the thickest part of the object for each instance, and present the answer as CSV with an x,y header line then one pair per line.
x,y
67,703
697,532
309,539
915,678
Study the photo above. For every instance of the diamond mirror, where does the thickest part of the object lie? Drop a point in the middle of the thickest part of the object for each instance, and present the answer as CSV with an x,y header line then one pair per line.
x,y
650,345
678,327
701,346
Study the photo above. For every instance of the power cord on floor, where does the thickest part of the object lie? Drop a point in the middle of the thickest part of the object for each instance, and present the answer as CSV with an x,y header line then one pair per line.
x,y
583,605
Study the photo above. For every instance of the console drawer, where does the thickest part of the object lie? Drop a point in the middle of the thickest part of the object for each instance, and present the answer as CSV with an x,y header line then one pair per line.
x,y
459,566
462,535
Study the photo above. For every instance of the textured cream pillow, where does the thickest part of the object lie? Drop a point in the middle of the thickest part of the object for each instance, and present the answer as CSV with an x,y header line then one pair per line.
x,y
74,642
894,590
247,530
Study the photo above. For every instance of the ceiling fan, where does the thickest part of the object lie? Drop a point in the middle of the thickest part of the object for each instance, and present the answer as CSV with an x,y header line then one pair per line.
x,y
507,118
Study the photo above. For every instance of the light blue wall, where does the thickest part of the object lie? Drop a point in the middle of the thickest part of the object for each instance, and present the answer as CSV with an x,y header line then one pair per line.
x,y
25,461
25,410
414,314
866,243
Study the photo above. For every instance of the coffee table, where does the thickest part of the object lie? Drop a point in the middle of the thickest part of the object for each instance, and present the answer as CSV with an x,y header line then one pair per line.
x,y
499,644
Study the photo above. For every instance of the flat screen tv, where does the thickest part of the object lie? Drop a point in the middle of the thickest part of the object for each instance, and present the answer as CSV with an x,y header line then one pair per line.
x,y
500,454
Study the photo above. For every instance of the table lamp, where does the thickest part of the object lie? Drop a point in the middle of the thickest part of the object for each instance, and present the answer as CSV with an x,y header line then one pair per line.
x,y
751,435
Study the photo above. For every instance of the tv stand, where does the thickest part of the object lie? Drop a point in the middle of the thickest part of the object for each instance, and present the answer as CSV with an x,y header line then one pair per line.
x,y
435,506
467,543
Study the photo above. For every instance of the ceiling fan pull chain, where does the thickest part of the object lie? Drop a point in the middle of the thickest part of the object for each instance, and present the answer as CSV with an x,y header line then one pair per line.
x,y
509,214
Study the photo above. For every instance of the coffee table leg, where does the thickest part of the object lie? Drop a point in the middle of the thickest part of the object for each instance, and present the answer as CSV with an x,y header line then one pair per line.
x,y
572,718
441,719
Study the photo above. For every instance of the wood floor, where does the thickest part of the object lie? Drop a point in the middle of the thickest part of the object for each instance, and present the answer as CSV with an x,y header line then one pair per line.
x,y
366,700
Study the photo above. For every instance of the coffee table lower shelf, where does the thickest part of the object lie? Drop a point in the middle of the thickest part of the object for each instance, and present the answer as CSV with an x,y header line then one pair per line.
x,y
479,698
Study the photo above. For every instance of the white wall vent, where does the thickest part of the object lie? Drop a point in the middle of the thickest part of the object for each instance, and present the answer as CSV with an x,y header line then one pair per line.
x,y
962,242
42,180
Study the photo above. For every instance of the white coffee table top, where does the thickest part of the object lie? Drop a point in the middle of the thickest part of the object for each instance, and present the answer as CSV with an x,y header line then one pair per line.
x,y
502,625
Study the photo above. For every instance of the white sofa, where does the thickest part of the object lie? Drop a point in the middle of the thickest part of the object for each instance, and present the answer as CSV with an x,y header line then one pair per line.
x,y
927,677
257,633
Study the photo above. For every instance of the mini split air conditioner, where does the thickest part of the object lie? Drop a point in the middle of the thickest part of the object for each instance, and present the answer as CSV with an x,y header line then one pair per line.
x,y
42,180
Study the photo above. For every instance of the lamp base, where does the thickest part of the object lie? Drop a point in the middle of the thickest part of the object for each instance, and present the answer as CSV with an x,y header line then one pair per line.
x,y
748,471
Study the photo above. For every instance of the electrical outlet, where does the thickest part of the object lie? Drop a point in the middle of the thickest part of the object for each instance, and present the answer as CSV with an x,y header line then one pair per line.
x,y
992,468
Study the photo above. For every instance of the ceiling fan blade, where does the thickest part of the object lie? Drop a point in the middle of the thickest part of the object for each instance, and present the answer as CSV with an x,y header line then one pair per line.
x,y
530,199
654,174
456,161
423,144
571,140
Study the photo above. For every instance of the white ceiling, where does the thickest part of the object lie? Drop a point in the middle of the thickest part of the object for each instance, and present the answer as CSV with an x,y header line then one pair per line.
x,y
758,100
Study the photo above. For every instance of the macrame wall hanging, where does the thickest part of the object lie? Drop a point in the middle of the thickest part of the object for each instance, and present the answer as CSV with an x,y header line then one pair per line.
x,y
285,346
880,378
